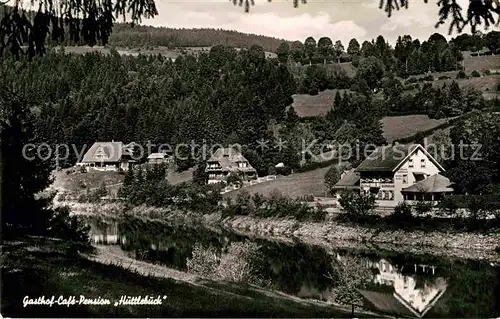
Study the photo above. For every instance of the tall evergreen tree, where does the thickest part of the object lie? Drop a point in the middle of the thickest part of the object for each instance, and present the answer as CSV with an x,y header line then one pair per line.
x,y
310,48
353,48
25,168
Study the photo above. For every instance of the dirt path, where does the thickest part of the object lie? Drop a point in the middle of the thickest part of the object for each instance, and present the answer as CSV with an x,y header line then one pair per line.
x,y
113,255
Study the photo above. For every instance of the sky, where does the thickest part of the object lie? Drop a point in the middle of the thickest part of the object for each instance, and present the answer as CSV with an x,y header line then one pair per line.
x,y
337,19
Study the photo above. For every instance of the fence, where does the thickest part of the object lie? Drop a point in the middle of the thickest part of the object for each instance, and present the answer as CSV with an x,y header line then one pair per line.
x,y
259,180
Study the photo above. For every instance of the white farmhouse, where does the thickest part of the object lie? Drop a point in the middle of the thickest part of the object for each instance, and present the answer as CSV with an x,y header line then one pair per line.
x,y
395,173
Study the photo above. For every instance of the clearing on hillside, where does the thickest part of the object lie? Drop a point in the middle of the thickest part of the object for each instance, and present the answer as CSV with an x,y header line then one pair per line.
x,y
487,62
306,105
485,83
294,185
71,180
396,127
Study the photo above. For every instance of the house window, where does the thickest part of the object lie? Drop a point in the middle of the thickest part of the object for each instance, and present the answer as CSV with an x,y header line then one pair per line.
x,y
410,163
391,195
422,163
405,178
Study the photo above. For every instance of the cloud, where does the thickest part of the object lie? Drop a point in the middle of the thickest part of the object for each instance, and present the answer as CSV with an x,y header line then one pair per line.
x,y
339,20
416,19
300,27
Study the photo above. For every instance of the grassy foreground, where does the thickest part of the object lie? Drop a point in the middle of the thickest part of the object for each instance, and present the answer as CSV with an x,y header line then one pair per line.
x,y
38,267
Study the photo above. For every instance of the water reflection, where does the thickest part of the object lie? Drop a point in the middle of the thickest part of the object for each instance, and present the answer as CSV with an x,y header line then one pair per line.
x,y
402,285
404,293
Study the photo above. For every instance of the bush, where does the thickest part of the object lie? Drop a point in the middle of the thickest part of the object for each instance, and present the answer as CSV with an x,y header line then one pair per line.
x,y
203,262
422,207
487,72
234,179
403,211
350,273
411,86
64,226
101,191
475,74
332,176
448,206
234,265
428,78
313,90
478,209
286,170
356,204
276,205
461,75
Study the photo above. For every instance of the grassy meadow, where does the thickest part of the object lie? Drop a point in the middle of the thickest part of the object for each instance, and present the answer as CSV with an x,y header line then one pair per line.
x,y
294,185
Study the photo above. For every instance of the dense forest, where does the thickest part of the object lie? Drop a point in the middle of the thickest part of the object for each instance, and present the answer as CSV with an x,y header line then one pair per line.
x,y
221,97
218,98
145,36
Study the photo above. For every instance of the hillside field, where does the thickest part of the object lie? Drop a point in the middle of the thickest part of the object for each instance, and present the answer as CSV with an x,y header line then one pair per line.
x,y
314,105
396,127
294,185
479,63
71,180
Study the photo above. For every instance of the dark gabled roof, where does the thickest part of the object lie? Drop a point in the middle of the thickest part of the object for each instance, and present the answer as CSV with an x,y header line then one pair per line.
x,y
228,159
105,152
350,180
434,184
386,158
386,302
390,157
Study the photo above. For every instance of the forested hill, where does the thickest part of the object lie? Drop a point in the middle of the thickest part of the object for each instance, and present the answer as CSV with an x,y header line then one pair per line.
x,y
146,36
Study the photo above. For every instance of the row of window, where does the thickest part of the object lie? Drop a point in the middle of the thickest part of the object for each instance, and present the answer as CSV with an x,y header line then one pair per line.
x,y
213,166
385,195
377,180
240,164
214,176
411,165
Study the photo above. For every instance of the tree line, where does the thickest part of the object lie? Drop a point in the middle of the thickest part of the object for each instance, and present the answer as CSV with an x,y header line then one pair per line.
x,y
146,36
408,56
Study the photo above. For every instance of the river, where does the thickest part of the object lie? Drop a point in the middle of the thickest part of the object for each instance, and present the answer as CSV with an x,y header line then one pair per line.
x,y
405,285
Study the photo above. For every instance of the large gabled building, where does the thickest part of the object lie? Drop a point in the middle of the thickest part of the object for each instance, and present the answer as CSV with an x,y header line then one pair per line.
x,y
226,161
395,173
109,156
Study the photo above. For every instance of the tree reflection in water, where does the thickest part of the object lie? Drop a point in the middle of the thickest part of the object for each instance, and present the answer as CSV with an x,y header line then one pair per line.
x,y
405,284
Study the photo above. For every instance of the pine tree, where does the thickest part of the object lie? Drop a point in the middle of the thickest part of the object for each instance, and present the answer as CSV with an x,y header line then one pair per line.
x,y
24,173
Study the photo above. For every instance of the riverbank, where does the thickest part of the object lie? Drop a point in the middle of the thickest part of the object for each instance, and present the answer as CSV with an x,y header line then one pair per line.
x,y
330,235
37,267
